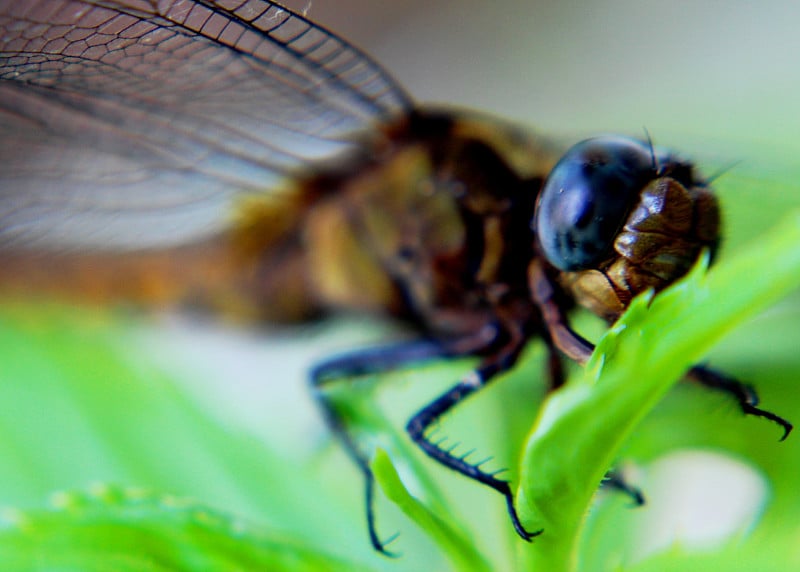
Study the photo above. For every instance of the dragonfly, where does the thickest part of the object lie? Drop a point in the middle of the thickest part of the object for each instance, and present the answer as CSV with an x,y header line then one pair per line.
x,y
235,156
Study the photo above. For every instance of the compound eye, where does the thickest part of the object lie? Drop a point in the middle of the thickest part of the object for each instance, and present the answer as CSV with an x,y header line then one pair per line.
x,y
587,198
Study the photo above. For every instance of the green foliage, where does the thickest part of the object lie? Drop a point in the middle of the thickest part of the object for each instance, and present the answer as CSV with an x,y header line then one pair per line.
x,y
635,363
111,528
458,546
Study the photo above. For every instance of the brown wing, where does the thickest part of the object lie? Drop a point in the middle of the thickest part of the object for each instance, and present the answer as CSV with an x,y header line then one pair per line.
x,y
130,125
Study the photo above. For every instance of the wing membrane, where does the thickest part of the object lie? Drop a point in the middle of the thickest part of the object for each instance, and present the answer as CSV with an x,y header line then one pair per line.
x,y
130,124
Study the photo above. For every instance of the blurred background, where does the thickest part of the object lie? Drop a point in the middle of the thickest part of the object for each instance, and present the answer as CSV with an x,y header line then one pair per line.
x,y
712,76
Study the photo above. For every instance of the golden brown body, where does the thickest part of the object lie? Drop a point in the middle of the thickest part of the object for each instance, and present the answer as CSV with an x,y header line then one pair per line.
x,y
430,222
383,231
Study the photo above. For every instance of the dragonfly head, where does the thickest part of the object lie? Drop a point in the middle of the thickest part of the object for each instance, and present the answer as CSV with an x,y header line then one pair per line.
x,y
616,218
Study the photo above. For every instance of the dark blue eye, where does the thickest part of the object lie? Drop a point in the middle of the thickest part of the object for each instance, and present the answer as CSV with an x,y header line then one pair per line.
x,y
587,198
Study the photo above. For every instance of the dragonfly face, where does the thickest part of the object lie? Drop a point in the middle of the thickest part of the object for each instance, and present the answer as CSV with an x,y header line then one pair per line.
x,y
238,157
617,219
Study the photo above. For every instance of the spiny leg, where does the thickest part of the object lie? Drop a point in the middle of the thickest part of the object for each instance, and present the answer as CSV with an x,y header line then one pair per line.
x,y
614,480
469,384
343,368
561,336
579,349
745,394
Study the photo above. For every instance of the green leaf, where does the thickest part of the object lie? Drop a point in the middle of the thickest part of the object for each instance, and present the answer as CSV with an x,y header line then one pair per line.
x,y
111,528
582,427
76,409
455,543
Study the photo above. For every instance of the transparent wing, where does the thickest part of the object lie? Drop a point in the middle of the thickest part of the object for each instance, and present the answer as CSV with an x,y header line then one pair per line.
x,y
134,123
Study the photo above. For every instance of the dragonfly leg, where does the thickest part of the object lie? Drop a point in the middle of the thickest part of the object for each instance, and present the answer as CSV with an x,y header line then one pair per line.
x,y
745,394
560,334
489,369
614,480
343,368
579,349
555,364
